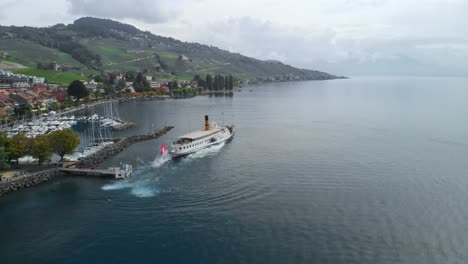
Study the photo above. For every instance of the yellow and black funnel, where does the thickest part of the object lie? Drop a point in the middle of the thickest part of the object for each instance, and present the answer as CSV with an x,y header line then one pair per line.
x,y
207,123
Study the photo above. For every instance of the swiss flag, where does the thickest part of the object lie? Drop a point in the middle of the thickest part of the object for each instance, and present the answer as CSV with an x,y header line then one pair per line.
x,y
163,149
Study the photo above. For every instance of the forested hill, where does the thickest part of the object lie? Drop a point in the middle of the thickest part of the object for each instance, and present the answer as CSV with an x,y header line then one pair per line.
x,y
103,44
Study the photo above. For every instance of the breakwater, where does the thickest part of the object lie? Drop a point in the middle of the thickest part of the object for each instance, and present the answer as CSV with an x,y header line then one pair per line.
x,y
28,181
112,150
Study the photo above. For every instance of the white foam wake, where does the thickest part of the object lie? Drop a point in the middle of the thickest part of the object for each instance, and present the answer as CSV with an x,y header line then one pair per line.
x,y
159,161
210,151
144,187
140,188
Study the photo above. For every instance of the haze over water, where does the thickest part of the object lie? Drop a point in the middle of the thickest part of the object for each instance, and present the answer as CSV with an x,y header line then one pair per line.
x,y
366,170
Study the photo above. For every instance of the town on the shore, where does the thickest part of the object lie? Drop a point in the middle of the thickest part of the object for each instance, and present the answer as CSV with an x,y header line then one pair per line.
x,y
22,96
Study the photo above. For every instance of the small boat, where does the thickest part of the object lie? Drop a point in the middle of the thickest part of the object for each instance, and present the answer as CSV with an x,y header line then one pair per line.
x,y
201,139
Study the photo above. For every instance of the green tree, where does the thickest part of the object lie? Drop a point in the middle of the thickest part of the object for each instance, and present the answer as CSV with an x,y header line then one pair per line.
x,y
130,76
173,85
17,146
231,82
3,153
77,89
109,89
63,142
215,82
41,149
3,158
141,84
121,84
220,82
209,82
226,82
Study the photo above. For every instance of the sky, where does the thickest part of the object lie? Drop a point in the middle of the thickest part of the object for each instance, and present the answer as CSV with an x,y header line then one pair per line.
x,y
345,37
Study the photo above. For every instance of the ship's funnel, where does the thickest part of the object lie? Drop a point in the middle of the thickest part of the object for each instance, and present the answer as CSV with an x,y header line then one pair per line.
x,y
207,123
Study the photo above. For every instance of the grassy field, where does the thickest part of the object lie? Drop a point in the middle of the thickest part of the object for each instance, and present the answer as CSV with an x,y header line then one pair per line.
x,y
51,76
29,54
116,52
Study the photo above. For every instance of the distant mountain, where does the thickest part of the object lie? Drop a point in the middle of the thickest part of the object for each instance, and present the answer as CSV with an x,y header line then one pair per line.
x,y
103,44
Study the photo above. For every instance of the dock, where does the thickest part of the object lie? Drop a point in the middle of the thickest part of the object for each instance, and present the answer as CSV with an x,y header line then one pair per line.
x,y
87,165
121,172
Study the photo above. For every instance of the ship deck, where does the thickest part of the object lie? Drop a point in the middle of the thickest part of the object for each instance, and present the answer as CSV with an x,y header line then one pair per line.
x,y
200,133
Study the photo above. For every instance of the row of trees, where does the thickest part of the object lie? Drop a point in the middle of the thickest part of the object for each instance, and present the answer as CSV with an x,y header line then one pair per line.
x,y
42,148
183,92
218,82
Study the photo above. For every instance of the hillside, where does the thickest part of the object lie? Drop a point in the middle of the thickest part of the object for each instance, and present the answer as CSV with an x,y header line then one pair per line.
x,y
51,76
102,44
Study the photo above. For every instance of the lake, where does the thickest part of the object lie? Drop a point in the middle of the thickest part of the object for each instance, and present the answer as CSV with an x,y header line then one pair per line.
x,y
365,170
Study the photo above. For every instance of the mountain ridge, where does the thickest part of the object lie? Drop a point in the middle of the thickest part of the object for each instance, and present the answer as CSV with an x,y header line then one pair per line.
x,y
104,44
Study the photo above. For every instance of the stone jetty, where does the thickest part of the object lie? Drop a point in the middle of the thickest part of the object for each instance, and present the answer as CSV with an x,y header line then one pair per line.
x,y
28,181
112,150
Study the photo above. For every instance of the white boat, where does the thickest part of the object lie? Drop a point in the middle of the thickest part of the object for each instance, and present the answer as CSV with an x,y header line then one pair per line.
x,y
200,139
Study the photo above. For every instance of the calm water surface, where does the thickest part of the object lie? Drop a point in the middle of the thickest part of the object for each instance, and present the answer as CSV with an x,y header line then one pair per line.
x,y
367,170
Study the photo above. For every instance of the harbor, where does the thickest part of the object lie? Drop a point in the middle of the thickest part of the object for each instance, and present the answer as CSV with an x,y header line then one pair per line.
x,y
87,166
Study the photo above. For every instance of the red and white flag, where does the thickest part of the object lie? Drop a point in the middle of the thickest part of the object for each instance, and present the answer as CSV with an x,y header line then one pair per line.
x,y
163,149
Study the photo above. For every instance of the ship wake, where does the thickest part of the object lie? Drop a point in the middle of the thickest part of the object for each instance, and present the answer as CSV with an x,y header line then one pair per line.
x,y
145,182
210,151
139,187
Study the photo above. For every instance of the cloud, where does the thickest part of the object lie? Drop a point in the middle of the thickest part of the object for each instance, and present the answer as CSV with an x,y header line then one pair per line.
x,y
342,51
4,7
148,11
339,36
266,40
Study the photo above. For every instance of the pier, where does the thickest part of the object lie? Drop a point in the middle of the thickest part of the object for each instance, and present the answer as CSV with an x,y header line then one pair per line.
x,y
122,172
86,166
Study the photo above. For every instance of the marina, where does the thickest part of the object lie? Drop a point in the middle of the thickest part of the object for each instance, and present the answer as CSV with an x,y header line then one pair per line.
x,y
42,125
87,166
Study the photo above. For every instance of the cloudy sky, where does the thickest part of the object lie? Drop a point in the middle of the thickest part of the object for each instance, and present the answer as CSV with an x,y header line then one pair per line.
x,y
349,37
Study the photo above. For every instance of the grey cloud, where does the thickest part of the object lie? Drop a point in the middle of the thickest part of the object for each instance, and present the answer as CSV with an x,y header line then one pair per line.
x,y
324,49
148,11
4,7
265,40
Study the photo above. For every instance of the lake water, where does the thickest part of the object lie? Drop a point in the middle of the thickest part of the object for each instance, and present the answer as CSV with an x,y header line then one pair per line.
x,y
366,170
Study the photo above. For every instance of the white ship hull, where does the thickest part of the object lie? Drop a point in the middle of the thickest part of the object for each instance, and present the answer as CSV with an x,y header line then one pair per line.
x,y
199,140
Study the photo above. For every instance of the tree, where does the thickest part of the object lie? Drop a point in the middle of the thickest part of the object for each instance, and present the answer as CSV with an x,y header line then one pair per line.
x,y
3,153
141,84
17,146
201,84
109,89
63,142
226,82
209,82
4,158
121,84
77,89
41,149
130,76
173,85
231,82
215,82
